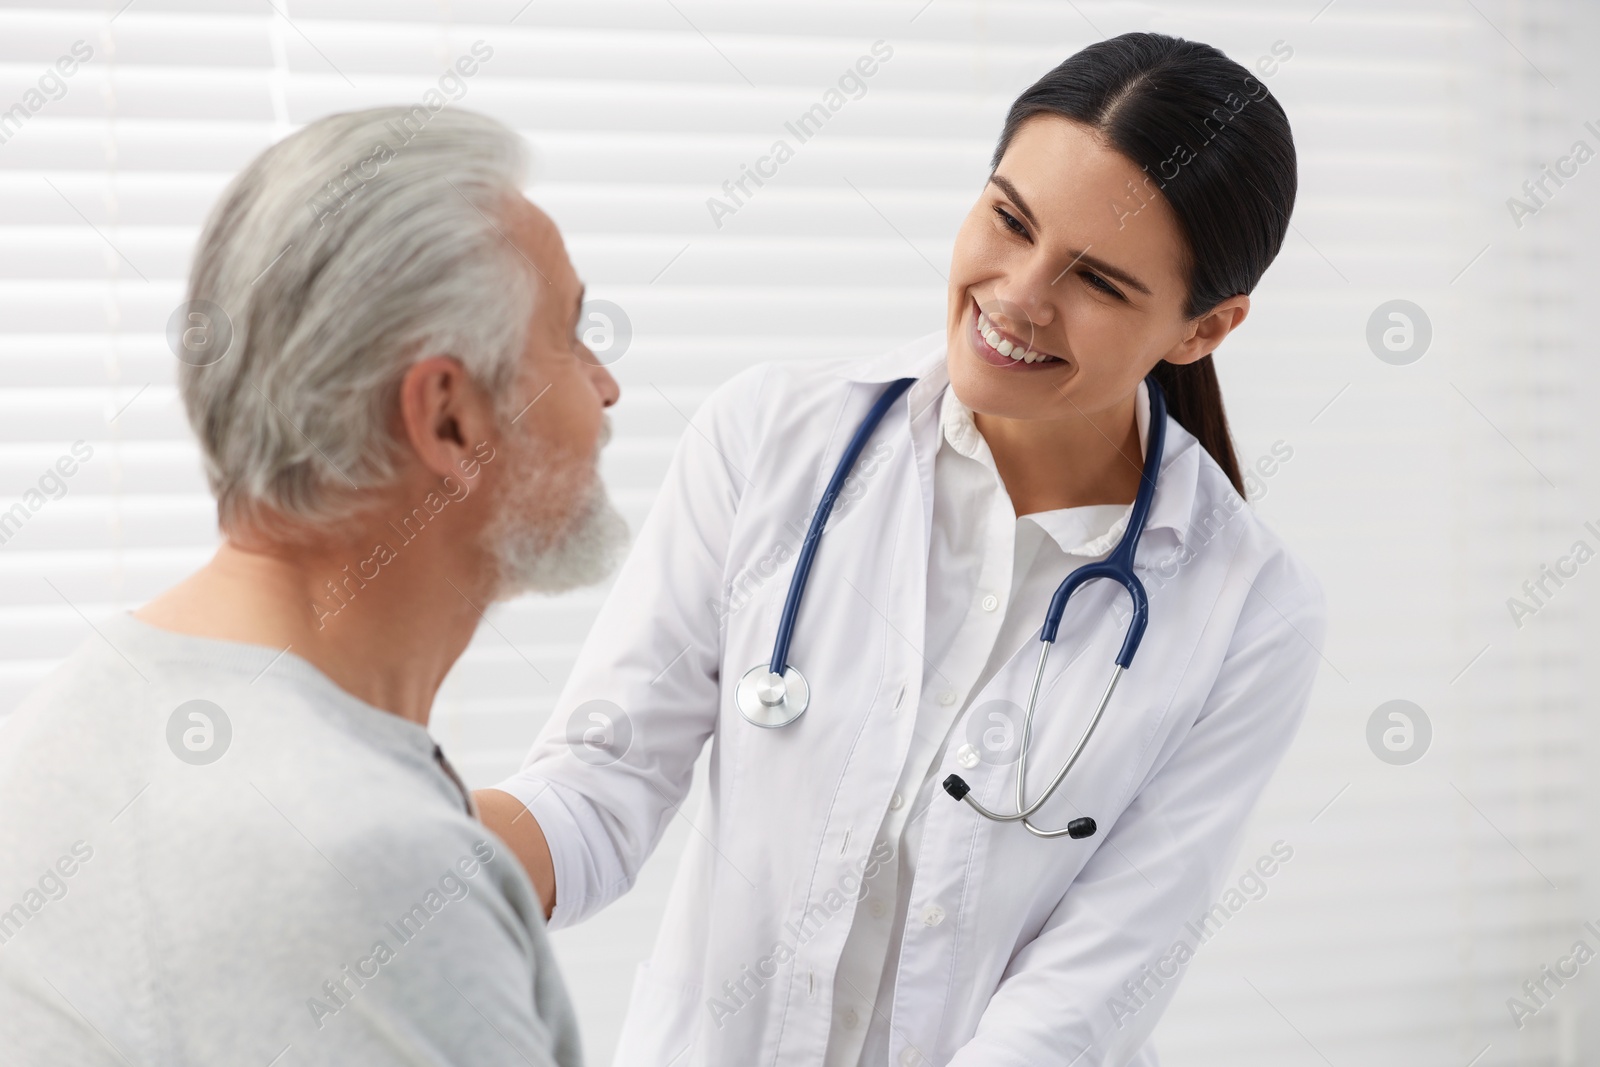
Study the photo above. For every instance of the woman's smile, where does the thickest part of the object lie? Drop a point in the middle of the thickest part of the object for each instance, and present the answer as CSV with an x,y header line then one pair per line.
x,y
999,347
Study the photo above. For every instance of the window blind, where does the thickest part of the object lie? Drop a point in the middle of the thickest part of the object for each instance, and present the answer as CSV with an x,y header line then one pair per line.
x,y
1408,902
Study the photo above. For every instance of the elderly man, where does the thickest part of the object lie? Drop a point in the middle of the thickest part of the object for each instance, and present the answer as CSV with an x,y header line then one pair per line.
x,y
225,833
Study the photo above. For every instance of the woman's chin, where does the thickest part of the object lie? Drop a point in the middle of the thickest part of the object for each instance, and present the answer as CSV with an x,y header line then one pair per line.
x,y
976,387
1003,392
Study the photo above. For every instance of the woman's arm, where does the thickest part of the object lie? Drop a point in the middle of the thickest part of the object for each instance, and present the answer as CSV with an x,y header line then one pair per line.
x,y
505,815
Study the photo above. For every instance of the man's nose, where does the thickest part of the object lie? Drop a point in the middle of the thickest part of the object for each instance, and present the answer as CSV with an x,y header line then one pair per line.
x,y
605,386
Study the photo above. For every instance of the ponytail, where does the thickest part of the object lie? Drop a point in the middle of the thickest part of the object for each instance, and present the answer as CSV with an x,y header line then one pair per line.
x,y
1194,399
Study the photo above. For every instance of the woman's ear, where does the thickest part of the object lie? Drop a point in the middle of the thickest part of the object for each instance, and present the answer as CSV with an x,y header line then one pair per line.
x,y
1208,331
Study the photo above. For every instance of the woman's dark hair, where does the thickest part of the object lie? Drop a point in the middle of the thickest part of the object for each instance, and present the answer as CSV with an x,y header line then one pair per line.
x,y
1217,145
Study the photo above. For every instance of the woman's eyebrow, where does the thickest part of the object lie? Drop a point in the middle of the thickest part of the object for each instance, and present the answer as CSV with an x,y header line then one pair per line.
x,y
1116,273
1093,262
1016,197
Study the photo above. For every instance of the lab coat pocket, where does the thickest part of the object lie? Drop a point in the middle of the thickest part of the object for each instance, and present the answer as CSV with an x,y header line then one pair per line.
x,y
660,1027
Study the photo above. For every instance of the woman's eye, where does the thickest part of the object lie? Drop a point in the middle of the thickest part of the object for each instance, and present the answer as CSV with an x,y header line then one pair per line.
x,y
1094,281
1011,223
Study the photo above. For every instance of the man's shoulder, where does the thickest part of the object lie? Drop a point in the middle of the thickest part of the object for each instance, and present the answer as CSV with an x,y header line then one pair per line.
x,y
415,842
90,676
298,843
181,753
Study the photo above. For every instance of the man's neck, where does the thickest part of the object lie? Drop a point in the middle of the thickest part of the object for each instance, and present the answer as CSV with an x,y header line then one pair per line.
x,y
386,630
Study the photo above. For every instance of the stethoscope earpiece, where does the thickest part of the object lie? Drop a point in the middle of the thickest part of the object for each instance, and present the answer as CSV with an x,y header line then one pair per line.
x,y
1077,829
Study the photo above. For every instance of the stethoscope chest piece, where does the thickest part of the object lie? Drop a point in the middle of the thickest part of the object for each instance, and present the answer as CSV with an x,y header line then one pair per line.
x,y
772,700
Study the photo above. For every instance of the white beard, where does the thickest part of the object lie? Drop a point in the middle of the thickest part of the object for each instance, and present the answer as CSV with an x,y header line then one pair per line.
x,y
556,529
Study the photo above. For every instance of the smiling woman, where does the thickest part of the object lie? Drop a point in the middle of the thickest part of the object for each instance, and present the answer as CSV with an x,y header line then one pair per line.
x,y
1006,448
1138,193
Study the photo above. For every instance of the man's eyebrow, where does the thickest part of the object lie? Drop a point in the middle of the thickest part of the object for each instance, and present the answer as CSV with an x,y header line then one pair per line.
x,y
1093,262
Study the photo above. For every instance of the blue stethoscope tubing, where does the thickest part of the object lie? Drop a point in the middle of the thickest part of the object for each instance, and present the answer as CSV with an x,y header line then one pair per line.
x,y
775,694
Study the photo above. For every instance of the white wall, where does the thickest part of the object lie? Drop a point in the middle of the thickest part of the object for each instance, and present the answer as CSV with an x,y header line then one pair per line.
x,y
1424,495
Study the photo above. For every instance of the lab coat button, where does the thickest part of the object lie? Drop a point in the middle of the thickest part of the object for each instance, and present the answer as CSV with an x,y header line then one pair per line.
x,y
932,915
910,1057
895,802
991,602
876,907
947,697
850,1019
967,756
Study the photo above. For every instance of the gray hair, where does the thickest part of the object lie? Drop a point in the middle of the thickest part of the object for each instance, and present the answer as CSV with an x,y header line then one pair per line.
x,y
342,255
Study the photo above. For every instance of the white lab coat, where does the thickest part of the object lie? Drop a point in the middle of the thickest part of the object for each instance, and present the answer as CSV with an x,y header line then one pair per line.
x,y
1037,937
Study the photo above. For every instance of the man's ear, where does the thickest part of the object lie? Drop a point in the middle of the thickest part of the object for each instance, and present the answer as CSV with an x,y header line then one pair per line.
x,y
443,413
1209,330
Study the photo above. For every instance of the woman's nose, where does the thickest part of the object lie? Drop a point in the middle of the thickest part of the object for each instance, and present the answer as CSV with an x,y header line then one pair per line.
x,y
1027,291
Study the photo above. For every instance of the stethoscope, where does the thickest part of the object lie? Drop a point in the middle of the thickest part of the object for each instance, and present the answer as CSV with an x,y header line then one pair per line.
x,y
775,694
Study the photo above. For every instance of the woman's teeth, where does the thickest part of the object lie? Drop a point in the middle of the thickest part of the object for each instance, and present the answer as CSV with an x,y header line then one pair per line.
x,y
1005,347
